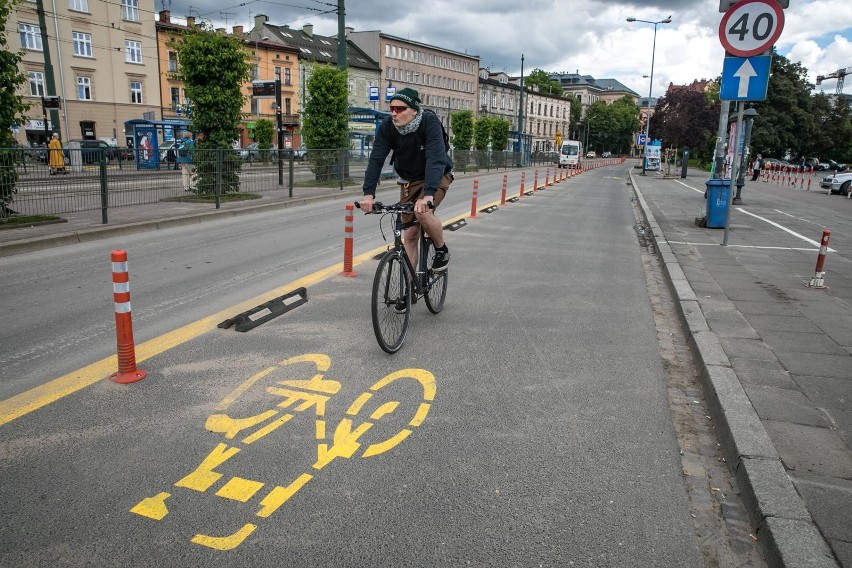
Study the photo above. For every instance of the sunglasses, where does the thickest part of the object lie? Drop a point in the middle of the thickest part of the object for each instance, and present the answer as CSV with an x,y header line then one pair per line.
x,y
398,109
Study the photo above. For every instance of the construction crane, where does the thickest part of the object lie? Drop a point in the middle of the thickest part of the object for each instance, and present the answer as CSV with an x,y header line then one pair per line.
x,y
840,74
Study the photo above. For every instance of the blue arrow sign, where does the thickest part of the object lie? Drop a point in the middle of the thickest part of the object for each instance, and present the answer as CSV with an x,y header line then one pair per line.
x,y
745,78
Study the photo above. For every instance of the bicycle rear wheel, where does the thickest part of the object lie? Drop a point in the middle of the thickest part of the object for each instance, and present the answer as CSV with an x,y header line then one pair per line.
x,y
436,283
391,304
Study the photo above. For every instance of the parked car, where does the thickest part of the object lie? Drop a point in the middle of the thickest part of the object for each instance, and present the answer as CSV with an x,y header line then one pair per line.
x,y
591,154
300,153
606,155
837,183
89,151
822,166
836,166
775,163
168,151
251,152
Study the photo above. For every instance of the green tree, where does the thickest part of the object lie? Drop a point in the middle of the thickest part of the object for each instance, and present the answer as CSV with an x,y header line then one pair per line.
x,y
542,80
12,110
686,118
264,130
482,134
214,67
576,115
784,123
462,122
500,134
326,122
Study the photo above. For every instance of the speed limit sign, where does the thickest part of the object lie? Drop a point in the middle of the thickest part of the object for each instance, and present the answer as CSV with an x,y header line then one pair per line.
x,y
751,27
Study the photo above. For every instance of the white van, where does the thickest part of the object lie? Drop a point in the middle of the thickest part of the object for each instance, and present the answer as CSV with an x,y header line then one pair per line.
x,y
570,154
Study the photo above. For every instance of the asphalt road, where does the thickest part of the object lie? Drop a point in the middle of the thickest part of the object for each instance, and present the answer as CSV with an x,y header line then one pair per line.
x,y
531,426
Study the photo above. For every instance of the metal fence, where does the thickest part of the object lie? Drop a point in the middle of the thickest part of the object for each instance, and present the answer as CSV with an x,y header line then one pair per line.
x,y
103,178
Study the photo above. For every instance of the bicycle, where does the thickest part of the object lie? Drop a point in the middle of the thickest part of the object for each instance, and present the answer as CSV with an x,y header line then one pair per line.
x,y
391,300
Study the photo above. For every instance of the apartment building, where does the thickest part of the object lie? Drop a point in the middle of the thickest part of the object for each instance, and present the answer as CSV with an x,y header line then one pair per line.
x,y
448,81
499,98
269,61
317,49
105,67
545,114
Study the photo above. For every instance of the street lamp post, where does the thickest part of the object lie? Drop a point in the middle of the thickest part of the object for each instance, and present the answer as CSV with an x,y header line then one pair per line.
x,y
651,87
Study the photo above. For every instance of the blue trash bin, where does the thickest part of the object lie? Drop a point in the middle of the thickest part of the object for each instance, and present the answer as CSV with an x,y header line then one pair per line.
x,y
718,196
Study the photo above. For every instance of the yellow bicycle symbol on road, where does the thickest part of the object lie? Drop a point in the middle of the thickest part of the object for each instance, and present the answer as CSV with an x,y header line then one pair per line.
x,y
296,395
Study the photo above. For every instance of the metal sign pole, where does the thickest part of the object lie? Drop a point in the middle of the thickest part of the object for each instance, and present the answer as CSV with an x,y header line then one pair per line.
x,y
734,171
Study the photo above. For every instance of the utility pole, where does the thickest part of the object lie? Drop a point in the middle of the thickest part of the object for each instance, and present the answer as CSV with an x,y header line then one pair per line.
x,y
521,117
341,36
49,82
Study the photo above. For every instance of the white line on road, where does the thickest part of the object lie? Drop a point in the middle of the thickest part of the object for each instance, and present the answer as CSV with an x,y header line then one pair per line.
x,y
783,228
739,246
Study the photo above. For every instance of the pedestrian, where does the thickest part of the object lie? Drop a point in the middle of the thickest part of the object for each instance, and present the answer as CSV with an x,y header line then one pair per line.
x,y
756,167
420,159
56,161
184,158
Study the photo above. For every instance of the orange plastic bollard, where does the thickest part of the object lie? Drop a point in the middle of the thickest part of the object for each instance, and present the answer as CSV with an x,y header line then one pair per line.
x,y
473,201
348,231
127,371
503,191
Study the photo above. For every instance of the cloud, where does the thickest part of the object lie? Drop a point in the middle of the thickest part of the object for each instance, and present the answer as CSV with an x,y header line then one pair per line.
x,y
591,37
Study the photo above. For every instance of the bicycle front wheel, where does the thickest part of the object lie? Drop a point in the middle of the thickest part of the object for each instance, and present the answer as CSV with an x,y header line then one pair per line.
x,y
391,302
436,282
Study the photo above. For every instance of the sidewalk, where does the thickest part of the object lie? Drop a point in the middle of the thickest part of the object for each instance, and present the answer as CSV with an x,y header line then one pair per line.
x,y
775,357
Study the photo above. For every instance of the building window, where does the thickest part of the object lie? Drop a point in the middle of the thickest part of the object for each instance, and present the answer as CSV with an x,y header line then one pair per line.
x,y
174,95
133,51
36,83
136,92
82,44
173,62
78,5
287,78
30,37
130,10
84,88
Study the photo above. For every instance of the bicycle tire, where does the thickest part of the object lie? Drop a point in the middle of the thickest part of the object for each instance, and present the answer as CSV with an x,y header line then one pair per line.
x,y
436,283
390,320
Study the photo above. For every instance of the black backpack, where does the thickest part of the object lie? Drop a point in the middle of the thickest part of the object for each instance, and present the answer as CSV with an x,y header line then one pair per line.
x,y
421,130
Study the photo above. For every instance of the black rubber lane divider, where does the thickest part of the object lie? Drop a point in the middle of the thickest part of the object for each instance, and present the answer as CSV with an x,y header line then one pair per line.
x,y
457,225
513,199
267,311
491,209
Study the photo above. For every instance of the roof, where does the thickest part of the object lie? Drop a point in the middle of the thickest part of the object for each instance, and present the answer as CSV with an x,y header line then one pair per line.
x,y
318,48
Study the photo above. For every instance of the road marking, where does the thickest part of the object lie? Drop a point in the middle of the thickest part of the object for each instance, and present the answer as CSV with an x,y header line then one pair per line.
x,y
739,246
295,395
783,228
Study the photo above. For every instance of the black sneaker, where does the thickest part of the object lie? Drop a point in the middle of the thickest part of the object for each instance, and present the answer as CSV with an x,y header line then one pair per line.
x,y
441,260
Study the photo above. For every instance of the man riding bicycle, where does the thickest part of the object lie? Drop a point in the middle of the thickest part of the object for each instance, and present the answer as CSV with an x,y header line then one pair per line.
x,y
421,161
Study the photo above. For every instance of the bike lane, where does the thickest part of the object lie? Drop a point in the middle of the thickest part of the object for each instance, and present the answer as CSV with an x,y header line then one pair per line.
x,y
526,424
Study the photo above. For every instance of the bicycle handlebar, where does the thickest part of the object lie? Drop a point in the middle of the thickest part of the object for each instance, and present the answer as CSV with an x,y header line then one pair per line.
x,y
379,207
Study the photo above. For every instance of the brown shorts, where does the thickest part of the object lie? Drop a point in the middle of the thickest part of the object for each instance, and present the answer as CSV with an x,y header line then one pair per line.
x,y
412,191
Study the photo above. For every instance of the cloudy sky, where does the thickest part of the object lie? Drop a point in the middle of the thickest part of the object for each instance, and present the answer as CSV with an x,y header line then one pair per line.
x,y
591,37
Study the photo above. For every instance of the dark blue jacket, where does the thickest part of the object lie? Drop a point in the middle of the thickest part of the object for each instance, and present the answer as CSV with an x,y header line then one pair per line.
x,y
420,155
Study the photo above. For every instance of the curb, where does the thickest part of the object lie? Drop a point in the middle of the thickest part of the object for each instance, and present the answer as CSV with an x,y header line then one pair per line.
x,y
788,535
97,233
